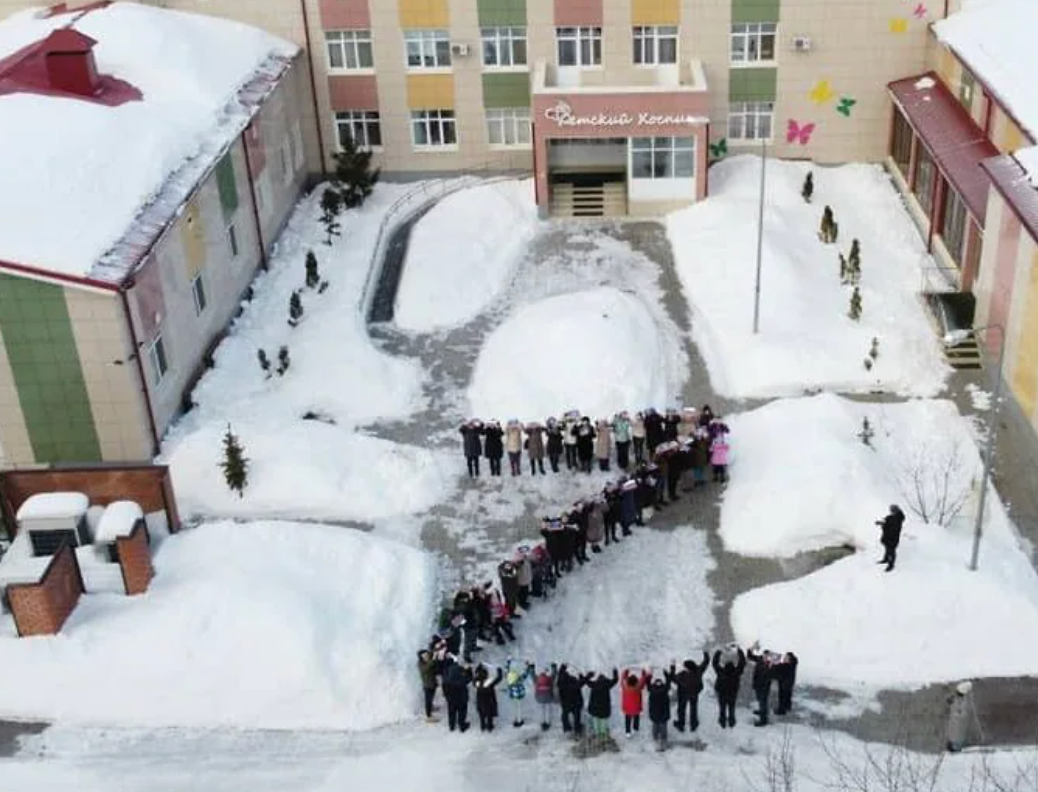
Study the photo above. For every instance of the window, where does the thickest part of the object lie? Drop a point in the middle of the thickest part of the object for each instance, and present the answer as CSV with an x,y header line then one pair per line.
x,y
753,42
925,178
966,90
655,45
579,46
232,240
504,46
750,120
361,125
427,49
198,292
286,161
953,226
349,49
157,358
431,128
663,158
508,126
901,143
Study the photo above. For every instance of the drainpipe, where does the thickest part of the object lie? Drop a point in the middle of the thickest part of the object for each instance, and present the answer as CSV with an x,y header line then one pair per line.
x,y
313,87
136,354
536,182
252,195
706,170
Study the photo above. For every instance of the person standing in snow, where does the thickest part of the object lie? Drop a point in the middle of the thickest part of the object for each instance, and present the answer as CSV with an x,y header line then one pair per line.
x,y
554,432
719,457
762,677
501,619
568,542
579,516
535,447
638,437
569,438
653,430
706,415
728,667
671,422
603,445
611,512
584,433
427,669
456,680
785,672
551,530
493,446
628,504
659,709
631,699
961,714
516,677
524,578
699,456
891,535
689,684
486,696
599,703
544,694
471,445
689,422
514,446
571,699
596,523
622,438
509,577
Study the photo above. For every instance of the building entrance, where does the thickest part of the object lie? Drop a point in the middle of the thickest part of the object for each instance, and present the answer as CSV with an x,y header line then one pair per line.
x,y
588,177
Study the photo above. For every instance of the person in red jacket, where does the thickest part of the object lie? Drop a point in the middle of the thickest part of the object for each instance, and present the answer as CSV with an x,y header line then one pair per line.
x,y
631,698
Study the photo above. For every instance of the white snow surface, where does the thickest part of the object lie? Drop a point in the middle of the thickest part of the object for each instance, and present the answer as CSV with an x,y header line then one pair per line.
x,y
118,521
259,625
830,492
1028,158
599,350
188,68
994,40
806,340
308,468
52,505
463,253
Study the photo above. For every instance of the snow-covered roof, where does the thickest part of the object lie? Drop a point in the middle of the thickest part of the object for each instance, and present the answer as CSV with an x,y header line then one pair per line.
x,y
995,40
80,174
118,521
53,505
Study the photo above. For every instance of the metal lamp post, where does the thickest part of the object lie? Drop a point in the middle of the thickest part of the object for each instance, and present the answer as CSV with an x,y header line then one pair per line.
x,y
952,339
760,234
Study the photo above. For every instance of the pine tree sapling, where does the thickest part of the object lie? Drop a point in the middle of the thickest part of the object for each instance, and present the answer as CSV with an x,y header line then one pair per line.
x,y
867,363
354,177
331,206
283,361
235,465
874,349
867,432
855,308
845,269
854,261
827,232
295,308
313,275
809,187
264,361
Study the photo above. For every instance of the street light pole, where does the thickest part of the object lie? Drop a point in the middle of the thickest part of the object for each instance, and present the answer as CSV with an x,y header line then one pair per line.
x,y
989,445
760,234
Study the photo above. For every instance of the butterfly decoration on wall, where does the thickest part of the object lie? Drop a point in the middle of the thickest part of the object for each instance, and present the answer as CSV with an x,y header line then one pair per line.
x,y
920,11
799,133
898,25
844,106
822,92
719,150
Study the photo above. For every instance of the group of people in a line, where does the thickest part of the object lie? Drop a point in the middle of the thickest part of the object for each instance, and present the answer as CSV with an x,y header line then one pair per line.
x,y
662,694
573,440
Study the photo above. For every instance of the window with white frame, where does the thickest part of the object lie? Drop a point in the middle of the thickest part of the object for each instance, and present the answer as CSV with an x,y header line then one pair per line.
x,y
508,126
286,161
503,46
363,126
750,120
349,49
232,240
579,46
198,293
663,158
655,44
157,359
753,42
433,128
427,49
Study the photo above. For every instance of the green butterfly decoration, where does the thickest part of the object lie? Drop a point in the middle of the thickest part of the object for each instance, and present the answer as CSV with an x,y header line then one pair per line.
x,y
719,149
845,105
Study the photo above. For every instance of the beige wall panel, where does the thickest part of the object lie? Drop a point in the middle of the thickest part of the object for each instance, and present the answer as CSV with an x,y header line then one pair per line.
x,y
15,448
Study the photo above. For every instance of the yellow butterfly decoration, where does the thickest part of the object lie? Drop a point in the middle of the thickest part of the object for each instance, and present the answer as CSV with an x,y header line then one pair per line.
x,y
822,92
898,25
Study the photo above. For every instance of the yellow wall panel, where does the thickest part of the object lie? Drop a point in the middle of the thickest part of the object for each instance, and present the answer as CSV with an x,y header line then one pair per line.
x,y
430,91
948,69
655,12
423,13
192,236
1025,369
1012,138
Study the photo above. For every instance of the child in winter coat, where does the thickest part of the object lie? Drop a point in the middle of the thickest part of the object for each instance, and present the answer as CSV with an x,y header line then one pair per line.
x,y
584,433
486,696
719,457
659,709
456,679
689,422
569,438
501,619
514,446
516,677
427,668
689,684
471,445
599,701
571,699
493,446
785,672
535,447
638,437
631,699
525,575
554,432
622,438
728,667
544,694
603,445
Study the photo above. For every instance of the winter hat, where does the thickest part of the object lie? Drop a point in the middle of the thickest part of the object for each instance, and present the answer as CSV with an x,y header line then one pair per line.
x,y
964,688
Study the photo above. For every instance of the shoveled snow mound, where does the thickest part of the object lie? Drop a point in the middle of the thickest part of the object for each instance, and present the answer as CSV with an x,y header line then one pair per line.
x,y
806,338
598,351
259,625
462,254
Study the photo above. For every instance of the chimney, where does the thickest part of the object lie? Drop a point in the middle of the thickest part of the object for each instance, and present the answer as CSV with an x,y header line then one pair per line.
x,y
70,62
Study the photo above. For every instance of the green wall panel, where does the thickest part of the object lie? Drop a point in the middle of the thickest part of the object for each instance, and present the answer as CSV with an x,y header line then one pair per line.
x,y
45,363
752,85
226,185
506,89
755,10
501,13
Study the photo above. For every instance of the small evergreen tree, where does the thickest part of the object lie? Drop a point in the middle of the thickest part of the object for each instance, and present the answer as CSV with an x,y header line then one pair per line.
x,y
313,275
283,361
264,362
874,349
354,176
867,432
331,206
295,308
855,308
854,262
844,269
235,464
809,187
827,233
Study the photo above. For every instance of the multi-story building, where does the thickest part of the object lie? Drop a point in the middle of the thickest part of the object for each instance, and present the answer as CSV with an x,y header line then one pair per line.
x,y
136,204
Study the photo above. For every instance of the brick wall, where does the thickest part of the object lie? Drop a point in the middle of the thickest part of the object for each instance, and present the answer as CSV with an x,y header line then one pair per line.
x,y
41,608
135,560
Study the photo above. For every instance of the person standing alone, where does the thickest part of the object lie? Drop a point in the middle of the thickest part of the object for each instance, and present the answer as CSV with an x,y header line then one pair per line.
x,y
891,535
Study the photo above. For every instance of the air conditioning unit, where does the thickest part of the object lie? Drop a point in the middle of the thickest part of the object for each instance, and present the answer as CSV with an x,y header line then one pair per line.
x,y
461,50
801,44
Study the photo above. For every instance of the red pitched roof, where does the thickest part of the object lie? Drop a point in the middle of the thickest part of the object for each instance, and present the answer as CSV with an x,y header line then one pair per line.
x,y
952,138
67,40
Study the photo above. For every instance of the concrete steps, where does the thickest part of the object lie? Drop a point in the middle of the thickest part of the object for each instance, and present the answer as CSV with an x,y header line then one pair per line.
x,y
608,199
963,356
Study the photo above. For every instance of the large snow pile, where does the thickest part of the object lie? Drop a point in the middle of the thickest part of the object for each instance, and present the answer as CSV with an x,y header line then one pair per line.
x,y
259,625
806,338
318,468
804,480
188,68
462,254
598,351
